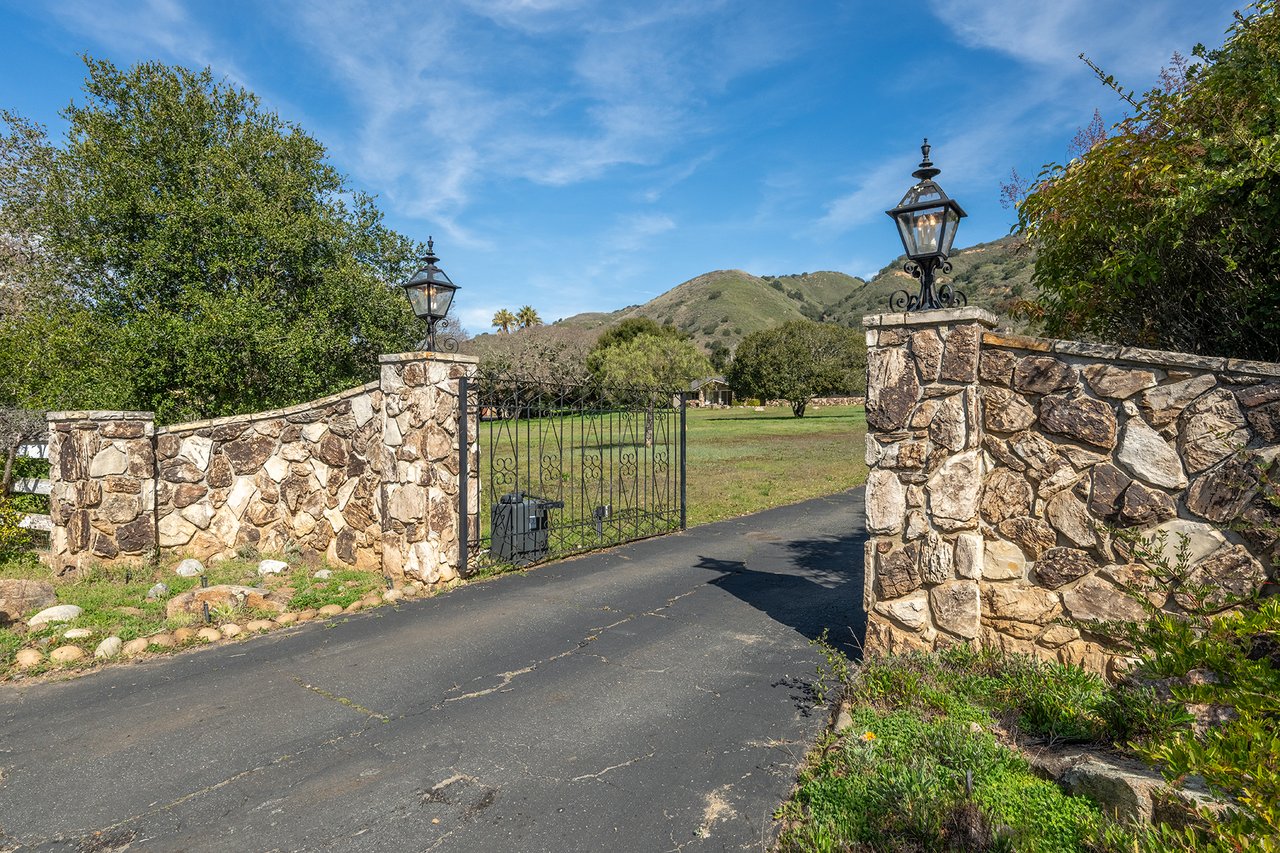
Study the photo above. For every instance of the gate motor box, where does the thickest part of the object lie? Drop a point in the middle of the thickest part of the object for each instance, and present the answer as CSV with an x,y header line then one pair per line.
x,y
519,528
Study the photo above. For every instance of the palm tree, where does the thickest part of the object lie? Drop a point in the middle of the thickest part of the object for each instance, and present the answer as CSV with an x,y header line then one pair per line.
x,y
528,317
504,320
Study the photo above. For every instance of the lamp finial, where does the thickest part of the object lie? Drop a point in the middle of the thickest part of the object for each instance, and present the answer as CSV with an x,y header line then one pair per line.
x,y
927,170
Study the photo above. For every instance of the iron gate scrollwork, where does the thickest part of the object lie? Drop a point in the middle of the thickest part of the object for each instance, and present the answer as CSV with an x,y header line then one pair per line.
x,y
566,467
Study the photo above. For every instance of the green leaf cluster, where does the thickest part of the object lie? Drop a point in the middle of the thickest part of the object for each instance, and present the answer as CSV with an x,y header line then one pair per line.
x,y
657,362
14,540
185,250
798,361
624,332
1164,234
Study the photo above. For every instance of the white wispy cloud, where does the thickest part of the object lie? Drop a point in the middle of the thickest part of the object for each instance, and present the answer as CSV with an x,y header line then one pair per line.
x,y
1127,38
879,182
976,145
668,177
636,231
155,26
556,94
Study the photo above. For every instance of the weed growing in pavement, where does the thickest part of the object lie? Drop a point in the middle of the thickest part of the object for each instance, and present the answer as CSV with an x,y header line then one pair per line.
x,y
832,673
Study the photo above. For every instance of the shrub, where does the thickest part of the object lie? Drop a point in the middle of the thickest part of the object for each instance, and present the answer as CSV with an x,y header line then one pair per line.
x,y
1219,651
14,540
1231,662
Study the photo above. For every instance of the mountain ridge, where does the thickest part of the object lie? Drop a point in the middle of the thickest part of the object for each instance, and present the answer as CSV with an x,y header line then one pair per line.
x,y
717,309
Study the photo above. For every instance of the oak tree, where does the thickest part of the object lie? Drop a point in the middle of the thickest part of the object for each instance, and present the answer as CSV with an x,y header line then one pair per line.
x,y
198,247
798,361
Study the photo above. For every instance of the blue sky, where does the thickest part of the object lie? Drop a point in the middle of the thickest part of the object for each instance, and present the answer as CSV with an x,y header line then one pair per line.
x,y
578,155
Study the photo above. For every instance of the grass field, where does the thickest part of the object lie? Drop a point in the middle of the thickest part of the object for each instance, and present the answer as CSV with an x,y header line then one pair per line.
x,y
742,461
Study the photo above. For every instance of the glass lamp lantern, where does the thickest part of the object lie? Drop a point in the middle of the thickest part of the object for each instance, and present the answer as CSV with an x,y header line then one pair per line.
x,y
927,220
430,292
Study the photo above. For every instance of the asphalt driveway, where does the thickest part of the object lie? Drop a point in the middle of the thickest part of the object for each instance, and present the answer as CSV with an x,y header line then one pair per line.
x,y
653,697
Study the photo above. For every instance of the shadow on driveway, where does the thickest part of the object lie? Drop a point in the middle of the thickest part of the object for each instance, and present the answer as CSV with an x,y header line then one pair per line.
x,y
811,585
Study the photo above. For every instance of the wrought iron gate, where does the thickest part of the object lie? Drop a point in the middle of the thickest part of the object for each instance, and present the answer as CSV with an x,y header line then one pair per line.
x,y
564,468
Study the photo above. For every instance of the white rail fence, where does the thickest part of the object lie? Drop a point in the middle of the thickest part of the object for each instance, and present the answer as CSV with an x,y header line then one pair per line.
x,y
33,486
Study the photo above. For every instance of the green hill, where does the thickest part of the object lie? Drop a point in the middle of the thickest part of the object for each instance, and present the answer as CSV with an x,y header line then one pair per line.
x,y
993,275
722,307
718,309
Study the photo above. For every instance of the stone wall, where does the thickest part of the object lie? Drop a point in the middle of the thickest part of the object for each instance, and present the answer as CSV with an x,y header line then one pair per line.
x,y
1002,466
366,478
300,478
102,487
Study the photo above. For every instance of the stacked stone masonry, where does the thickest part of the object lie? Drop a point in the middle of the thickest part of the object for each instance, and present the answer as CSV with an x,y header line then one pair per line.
x,y
367,478
102,493
1004,468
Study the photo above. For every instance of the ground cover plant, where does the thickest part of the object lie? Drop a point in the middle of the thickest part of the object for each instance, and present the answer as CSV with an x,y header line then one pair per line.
x,y
117,602
1216,649
922,764
914,767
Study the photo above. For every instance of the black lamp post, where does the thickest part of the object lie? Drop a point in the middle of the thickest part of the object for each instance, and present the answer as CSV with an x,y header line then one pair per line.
x,y
430,293
927,220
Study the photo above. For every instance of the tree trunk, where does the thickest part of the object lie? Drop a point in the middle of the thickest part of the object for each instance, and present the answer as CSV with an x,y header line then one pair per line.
x,y
797,407
7,481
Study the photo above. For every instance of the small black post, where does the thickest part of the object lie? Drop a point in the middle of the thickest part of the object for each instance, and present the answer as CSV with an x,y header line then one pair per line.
x,y
204,605
464,475
684,517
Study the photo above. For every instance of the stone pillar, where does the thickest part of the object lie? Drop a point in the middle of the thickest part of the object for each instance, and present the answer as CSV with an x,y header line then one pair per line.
x,y
420,471
103,487
925,550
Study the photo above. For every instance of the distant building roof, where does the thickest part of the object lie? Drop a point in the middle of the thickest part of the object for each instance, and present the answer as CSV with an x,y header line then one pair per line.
x,y
697,384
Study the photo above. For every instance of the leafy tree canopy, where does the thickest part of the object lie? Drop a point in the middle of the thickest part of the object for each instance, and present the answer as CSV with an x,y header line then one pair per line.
x,y
626,331
658,362
1164,234
798,361
185,250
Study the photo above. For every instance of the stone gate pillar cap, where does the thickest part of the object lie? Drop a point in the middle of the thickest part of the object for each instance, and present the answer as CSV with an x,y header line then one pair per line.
x,y
427,355
941,316
99,415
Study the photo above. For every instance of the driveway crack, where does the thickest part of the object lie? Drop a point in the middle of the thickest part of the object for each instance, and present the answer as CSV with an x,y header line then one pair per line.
x,y
506,678
111,828
600,773
341,700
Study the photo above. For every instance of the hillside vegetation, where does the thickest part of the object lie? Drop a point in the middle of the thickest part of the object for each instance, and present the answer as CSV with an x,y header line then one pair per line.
x,y
995,276
718,309
724,306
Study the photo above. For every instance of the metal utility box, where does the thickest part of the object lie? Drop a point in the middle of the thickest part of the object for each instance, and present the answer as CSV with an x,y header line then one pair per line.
x,y
519,529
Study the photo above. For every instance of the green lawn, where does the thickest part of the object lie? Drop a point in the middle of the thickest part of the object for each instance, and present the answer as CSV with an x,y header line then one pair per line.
x,y
742,461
